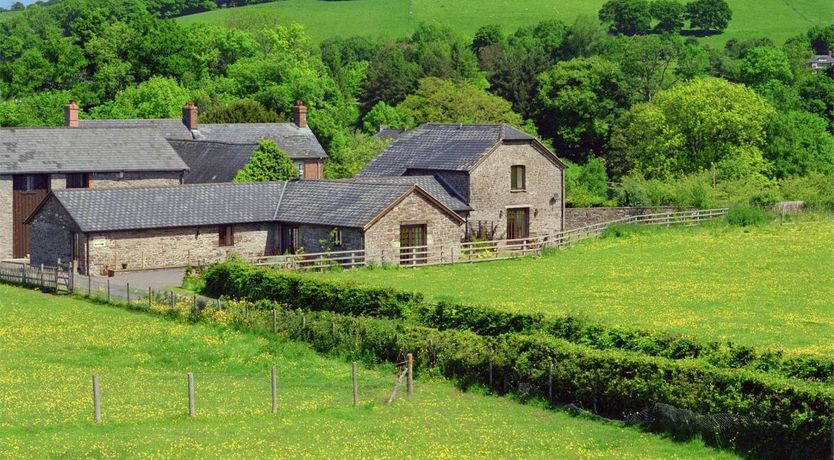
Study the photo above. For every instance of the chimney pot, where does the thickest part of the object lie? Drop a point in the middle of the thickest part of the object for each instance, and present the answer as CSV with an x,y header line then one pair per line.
x,y
71,115
300,114
189,116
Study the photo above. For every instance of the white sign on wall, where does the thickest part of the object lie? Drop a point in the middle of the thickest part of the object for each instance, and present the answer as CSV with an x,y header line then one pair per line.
x,y
99,242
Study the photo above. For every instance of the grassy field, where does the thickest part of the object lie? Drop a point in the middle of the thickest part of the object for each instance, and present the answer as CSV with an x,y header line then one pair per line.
x,y
777,19
769,286
49,347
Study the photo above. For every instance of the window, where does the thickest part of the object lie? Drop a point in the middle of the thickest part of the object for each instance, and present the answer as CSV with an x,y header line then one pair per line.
x,y
31,183
78,181
226,235
518,178
300,166
336,236
413,239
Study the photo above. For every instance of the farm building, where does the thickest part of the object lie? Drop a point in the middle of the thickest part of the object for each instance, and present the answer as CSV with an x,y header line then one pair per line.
x,y
155,227
512,184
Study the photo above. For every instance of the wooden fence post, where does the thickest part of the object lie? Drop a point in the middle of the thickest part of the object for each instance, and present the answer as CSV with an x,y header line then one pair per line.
x,y
355,386
550,384
128,293
192,407
410,361
89,283
41,273
274,391
108,290
96,400
150,296
303,322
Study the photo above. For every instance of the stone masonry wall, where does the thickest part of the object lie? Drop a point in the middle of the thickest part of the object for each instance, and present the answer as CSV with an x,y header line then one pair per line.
x,y
582,217
176,247
491,195
6,217
382,240
50,235
134,179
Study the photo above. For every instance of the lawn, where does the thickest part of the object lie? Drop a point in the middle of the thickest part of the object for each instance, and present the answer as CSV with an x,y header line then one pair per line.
x,y
770,286
776,19
49,347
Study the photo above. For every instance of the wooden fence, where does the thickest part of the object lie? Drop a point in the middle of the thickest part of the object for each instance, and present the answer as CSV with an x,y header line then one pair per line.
x,y
479,251
47,278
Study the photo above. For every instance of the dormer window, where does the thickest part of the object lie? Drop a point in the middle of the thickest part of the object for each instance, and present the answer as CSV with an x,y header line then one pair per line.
x,y
518,178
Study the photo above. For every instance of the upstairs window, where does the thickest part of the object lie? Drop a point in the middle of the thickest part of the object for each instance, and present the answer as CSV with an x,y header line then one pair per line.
x,y
518,178
226,235
78,181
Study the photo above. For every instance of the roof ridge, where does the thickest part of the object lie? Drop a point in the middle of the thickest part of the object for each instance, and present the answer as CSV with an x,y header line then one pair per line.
x,y
159,187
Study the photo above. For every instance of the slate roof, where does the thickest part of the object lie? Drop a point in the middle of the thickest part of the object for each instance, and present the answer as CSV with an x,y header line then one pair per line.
x,y
448,147
435,186
173,206
315,202
68,150
298,143
212,162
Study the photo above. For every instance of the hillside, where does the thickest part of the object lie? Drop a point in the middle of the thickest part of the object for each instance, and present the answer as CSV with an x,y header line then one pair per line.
x,y
770,286
776,19
49,347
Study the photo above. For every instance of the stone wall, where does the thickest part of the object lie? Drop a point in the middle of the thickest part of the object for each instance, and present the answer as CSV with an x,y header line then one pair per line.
x,y
134,179
491,195
582,217
51,235
382,240
6,228
175,247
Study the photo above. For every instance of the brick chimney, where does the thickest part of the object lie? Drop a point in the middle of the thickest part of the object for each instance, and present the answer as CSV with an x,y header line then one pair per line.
x,y
71,115
189,116
300,114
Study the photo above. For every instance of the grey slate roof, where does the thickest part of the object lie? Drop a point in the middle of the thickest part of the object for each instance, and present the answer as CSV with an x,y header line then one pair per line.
x,y
67,150
298,143
449,147
173,206
315,202
434,186
212,162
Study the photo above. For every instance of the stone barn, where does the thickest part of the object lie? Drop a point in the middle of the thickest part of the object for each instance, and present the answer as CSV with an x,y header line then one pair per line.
x,y
159,227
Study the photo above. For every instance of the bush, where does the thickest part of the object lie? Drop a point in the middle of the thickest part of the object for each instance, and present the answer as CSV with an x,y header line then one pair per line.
x,y
744,216
240,280
815,189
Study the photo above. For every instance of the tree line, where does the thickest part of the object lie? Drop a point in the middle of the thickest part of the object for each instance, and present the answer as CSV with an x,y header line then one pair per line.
x,y
625,109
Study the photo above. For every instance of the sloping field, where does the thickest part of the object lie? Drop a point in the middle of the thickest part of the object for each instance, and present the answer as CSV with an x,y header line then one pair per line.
x,y
770,286
776,19
49,347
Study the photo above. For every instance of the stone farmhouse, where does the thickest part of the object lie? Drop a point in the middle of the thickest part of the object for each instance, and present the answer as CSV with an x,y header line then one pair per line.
x,y
512,184
154,227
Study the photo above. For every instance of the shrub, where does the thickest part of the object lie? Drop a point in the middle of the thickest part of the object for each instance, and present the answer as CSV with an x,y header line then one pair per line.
x,y
240,280
815,189
744,216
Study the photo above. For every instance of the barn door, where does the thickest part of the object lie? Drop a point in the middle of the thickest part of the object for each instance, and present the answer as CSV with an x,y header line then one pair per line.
x,y
28,190
518,223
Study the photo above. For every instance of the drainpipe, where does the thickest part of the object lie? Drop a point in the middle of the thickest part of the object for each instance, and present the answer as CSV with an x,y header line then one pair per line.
x,y
87,255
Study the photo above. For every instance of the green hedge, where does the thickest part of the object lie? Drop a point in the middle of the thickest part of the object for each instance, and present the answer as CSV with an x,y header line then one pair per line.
x,y
240,280
772,417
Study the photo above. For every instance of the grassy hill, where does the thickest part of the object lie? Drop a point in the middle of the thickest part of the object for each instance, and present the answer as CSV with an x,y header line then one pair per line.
x,y
49,347
769,286
777,19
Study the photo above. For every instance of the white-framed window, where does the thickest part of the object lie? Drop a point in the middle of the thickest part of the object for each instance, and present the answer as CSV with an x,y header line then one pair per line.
x,y
337,236
300,166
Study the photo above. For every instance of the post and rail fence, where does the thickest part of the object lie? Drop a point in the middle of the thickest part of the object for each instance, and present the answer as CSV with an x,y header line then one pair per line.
x,y
479,251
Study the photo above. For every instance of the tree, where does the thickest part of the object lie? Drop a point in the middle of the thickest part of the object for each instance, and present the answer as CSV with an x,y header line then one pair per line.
x,y
383,114
158,97
647,62
798,143
669,16
268,163
817,95
822,38
690,127
577,102
487,35
583,38
445,101
242,111
391,77
764,64
628,17
709,15
350,152
17,6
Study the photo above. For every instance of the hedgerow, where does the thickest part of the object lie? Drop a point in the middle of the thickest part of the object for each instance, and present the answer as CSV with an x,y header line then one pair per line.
x,y
239,280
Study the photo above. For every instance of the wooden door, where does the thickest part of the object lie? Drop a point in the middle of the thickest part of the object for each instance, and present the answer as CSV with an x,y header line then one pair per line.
x,y
518,223
413,239
28,190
